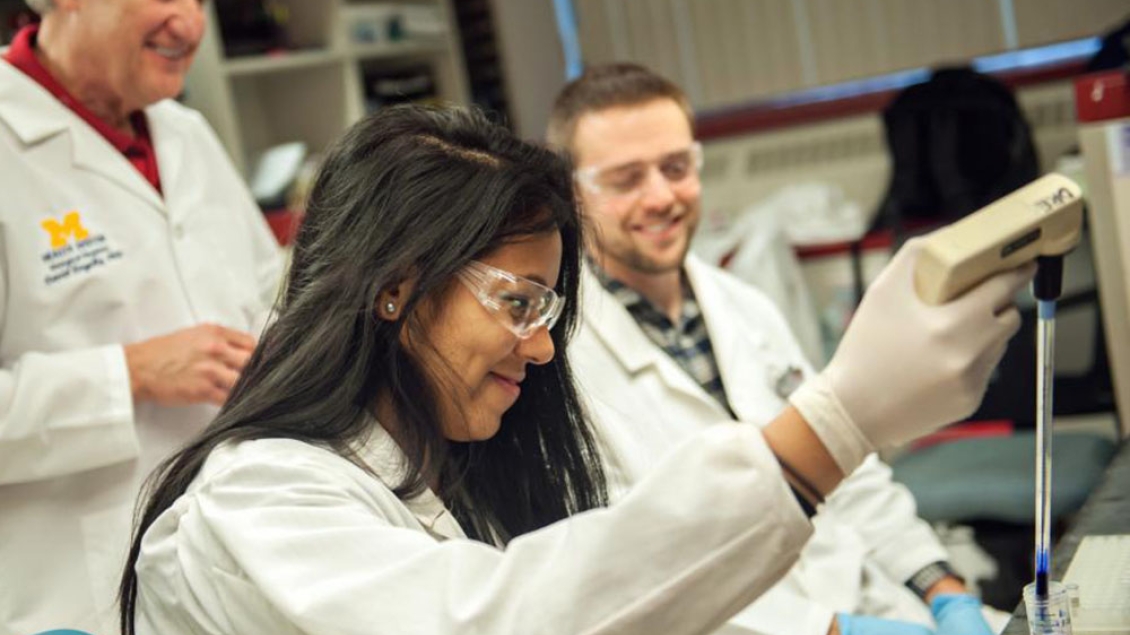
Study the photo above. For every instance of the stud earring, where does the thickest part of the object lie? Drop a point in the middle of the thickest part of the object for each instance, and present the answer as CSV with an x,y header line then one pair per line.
x,y
390,307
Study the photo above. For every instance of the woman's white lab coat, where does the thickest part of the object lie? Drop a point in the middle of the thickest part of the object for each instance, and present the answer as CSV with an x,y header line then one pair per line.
x,y
279,536
92,257
868,540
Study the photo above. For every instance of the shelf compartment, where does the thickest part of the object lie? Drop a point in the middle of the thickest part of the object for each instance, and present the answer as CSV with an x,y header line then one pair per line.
x,y
290,60
400,48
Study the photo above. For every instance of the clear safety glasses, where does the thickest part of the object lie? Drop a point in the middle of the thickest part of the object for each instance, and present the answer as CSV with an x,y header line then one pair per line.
x,y
521,305
627,180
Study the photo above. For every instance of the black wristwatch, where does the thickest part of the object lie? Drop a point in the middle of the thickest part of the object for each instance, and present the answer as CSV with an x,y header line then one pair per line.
x,y
929,575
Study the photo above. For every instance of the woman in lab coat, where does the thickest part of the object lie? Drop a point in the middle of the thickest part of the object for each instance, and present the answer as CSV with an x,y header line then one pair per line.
x,y
405,451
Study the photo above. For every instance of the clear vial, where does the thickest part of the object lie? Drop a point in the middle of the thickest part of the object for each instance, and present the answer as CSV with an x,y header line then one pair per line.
x,y
1050,615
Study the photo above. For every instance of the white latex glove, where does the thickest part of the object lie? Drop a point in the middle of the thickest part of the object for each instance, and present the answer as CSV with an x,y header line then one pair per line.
x,y
905,368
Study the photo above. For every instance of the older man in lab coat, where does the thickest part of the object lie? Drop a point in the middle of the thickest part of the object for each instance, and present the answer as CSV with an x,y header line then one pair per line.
x,y
134,270
672,344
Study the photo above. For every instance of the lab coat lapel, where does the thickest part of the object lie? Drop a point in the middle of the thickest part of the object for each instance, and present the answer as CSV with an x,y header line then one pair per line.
x,y
36,117
27,107
168,140
738,350
91,152
633,350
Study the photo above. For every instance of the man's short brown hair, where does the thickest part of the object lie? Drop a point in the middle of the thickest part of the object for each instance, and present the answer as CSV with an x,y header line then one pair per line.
x,y
603,87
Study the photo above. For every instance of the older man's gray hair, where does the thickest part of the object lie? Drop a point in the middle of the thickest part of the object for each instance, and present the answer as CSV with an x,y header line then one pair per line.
x,y
41,6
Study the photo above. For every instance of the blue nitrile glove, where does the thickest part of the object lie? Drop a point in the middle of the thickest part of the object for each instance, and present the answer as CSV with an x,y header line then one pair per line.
x,y
959,614
865,625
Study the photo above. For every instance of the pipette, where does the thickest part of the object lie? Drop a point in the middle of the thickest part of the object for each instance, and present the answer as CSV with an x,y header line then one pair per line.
x,y
1040,221
1043,218
1046,288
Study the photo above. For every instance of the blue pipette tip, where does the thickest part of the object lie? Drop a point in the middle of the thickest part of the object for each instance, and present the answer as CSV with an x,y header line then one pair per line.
x,y
1045,309
1043,565
1042,562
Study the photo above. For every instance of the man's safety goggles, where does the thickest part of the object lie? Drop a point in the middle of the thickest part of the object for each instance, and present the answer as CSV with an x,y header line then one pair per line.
x,y
521,305
628,179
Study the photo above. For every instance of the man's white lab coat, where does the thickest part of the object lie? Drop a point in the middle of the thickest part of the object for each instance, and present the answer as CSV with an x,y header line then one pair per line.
x,y
868,539
282,537
92,257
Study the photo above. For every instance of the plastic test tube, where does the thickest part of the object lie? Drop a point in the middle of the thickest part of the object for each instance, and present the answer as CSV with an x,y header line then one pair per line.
x,y
1050,615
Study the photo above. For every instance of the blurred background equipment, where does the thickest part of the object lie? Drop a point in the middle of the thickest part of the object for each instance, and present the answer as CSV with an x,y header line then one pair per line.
x,y
386,87
250,27
275,174
13,17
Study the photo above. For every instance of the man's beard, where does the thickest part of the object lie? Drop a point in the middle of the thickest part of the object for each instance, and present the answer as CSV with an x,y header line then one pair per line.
x,y
633,258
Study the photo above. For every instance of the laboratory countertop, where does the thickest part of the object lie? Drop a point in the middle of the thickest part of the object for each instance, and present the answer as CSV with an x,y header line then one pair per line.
x,y
1107,511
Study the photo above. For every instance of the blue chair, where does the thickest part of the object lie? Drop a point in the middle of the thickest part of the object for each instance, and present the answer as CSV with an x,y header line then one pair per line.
x,y
992,478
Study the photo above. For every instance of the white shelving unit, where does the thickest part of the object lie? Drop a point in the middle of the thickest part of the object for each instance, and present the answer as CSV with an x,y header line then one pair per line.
x,y
315,91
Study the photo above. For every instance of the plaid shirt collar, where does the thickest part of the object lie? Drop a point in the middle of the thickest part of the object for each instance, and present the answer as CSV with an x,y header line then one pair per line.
x,y
687,343
642,309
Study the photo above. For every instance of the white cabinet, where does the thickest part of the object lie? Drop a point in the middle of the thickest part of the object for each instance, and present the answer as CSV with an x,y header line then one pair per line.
x,y
316,88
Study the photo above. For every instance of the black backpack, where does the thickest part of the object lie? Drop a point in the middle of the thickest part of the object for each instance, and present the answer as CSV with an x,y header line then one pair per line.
x,y
958,142
1114,52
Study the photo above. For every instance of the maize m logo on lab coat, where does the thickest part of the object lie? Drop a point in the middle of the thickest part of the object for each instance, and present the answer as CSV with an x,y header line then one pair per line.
x,y
73,250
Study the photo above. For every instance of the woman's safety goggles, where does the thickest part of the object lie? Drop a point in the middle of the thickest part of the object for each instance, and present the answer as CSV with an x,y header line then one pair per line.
x,y
521,305
628,180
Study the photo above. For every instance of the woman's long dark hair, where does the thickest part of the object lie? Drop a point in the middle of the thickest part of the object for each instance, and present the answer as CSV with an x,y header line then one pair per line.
x,y
410,192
